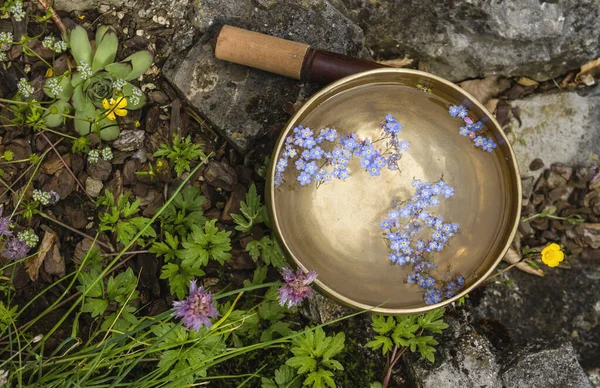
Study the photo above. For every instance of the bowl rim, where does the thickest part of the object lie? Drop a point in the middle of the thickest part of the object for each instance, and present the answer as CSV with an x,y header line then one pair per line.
x,y
270,194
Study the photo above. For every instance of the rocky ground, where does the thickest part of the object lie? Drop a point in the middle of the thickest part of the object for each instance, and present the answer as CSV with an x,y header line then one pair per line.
x,y
523,330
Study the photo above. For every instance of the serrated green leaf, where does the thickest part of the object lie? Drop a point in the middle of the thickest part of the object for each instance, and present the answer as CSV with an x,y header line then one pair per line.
x,y
425,345
320,379
383,342
281,328
433,321
302,363
95,307
335,347
382,324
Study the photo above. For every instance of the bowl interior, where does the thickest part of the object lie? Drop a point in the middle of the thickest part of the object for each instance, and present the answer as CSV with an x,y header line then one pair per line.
x,y
334,229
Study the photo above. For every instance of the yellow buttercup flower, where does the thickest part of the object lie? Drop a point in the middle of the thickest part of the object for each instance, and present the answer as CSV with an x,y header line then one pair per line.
x,y
115,107
552,255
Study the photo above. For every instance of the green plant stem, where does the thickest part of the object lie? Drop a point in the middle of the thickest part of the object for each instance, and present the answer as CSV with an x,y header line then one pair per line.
x,y
60,133
87,236
27,170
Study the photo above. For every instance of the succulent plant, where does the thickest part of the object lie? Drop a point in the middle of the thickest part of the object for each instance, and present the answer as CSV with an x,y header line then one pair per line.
x,y
99,87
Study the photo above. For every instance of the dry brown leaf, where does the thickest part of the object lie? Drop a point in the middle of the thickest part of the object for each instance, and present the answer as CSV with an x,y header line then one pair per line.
x,y
588,71
524,81
491,105
484,89
513,257
399,62
33,264
54,263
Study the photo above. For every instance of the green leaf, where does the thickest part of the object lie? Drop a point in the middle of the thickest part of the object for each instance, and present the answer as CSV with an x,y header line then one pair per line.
x,y
95,307
383,342
532,264
82,119
55,119
320,379
179,277
302,363
281,328
433,321
382,324
168,249
128,92
336,346
106,48
81,49
119,69
210,243
86,279
425,346
284,377
253,212
140,62
271,311
271,251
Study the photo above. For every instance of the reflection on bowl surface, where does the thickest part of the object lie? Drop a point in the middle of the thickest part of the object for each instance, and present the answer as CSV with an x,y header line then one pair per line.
x,y
334,229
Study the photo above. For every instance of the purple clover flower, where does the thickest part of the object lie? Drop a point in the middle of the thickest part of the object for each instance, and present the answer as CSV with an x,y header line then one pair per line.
x,y
196,310
15,249
297,287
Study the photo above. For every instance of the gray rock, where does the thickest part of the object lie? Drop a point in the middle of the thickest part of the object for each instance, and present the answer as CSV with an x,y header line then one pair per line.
x,y
320,309
101,170
245,103
560,127
130,140
553,367
473,38
93,186
563,304
463,359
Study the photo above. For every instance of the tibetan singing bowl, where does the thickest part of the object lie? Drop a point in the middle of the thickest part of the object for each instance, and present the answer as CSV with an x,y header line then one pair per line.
x,y
334,229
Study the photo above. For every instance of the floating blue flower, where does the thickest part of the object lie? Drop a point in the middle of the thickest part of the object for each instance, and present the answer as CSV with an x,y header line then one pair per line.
x,y
479,141
306,154
374,171
385,224
414,278
306,133
453,110
462,112
304,178
403,146
448,192
478,126
309,143
311,168
464,131
300,164
460,281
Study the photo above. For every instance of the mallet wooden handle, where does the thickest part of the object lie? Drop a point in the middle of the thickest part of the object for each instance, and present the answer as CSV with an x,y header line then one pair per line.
x,y
280,56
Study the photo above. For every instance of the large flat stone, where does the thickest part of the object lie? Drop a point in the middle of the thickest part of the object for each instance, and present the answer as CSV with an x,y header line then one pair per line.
x,y
463,39
243,103
551,366
559,127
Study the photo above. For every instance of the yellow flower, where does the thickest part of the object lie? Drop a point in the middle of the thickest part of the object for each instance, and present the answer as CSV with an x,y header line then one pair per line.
x,y
552,255
115,107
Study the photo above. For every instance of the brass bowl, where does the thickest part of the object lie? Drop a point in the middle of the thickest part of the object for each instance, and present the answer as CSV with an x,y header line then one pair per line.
x,y
334,229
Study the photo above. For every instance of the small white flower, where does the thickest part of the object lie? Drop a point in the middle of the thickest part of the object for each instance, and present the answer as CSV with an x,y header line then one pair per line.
x,y
3,57
48,42
136,95
107,153
29,238
17,10
6,37
53,85
93,156
41,196
24,87
85,70
37,338
60,46
118,84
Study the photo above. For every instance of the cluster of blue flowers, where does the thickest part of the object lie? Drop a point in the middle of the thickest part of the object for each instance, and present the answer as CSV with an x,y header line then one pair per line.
x,y
471,129
404,224
315,164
